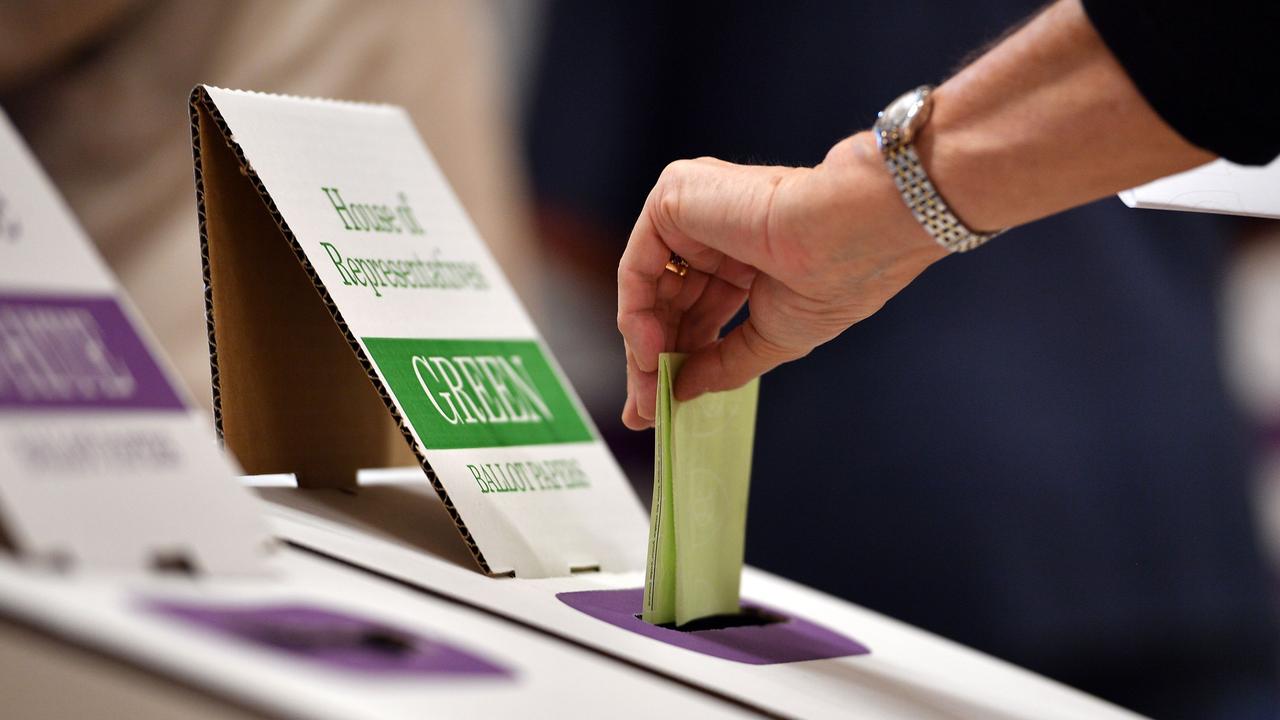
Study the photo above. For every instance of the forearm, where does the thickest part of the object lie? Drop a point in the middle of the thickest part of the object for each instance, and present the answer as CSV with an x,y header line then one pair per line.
x,y
1045,121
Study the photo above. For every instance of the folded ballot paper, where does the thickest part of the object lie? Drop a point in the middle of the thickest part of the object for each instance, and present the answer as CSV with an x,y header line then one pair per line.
x,y
702,471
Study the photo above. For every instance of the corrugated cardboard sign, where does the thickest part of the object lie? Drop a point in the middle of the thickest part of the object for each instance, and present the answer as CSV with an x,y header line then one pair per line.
x,y
104,462
347,290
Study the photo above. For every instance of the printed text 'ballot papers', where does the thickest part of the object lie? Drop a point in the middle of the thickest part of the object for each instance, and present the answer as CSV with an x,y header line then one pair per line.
x,y
104,461
350,291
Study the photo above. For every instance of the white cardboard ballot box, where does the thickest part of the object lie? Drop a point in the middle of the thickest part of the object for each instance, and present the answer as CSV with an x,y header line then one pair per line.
x,y
129,533
103,459
819,657
1218,187
347,290
319,640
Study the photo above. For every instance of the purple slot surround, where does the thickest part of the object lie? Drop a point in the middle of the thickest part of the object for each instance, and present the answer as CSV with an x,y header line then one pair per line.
x,y
34,361
334,640
794,639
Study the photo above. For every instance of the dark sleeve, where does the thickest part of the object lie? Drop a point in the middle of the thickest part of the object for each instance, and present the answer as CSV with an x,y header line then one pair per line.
x,y
1209,68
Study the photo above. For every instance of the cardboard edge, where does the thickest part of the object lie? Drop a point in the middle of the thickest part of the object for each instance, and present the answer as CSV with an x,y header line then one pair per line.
x,y
8,543
201,100
1170,207
83,649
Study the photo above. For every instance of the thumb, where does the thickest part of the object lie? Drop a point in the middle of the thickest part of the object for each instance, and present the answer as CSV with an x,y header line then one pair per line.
x,y
730,363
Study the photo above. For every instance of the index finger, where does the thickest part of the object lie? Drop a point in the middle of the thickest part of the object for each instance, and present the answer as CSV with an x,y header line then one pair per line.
x,y
714,215
640,270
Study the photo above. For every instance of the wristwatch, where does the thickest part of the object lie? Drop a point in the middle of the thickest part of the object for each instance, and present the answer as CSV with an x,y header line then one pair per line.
x,y
895,129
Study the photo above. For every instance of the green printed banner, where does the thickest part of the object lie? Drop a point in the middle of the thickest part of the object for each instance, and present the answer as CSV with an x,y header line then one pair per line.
x,y
478,393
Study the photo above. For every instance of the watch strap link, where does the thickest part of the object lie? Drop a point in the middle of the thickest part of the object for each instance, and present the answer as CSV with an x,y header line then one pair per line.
x,y
927,205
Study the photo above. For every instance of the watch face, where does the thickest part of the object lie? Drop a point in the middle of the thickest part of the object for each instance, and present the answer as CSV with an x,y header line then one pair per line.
x,y
900,110
899,122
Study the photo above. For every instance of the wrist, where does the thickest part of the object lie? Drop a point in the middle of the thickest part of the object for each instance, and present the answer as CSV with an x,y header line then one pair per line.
x,y
1046,121
871,202
963,164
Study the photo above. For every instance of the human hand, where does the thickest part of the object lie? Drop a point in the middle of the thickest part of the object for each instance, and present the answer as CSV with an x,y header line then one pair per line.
x,y
810,250
1046,120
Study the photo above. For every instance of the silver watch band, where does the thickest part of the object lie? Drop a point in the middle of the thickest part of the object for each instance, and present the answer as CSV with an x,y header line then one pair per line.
x,y
926,204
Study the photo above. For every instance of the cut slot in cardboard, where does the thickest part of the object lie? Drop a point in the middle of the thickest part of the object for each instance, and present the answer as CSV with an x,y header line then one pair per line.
x,y
356,320
745,617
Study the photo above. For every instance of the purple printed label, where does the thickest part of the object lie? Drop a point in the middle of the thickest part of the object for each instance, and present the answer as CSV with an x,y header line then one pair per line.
x,y
788,639
76,353
334,640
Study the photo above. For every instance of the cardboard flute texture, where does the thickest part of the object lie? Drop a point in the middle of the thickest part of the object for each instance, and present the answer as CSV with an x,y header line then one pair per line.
x,y
1218,187
104,462
349,294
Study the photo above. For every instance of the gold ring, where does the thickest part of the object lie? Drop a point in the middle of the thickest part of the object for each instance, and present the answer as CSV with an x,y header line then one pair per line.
x,y
678,265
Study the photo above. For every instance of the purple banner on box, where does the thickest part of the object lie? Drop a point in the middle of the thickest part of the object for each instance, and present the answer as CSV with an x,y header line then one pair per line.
x,y
338,641
76,353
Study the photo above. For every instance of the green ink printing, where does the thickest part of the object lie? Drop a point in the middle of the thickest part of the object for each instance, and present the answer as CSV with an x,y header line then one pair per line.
x,y
370,217
410,273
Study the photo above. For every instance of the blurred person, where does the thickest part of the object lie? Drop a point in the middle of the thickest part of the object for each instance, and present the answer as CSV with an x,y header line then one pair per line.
x,y
1032,449
99,89
1251,311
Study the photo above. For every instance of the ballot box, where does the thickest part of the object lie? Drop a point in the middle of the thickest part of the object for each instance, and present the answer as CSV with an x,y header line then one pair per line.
x,y
313,639
351,300
797,653
139,577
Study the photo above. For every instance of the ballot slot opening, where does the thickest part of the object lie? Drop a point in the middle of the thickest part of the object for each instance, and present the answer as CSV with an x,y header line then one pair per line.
x,y
755,635
319,638
746,617
326,637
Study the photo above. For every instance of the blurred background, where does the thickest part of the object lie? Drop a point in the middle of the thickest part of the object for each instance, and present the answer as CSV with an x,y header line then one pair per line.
x,y
1063,449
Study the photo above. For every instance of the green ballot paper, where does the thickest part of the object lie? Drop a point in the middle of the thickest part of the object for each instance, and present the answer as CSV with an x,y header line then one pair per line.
x,y
698,525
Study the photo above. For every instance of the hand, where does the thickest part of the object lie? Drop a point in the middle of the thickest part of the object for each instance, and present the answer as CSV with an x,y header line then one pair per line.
x,y
1045,121
810,250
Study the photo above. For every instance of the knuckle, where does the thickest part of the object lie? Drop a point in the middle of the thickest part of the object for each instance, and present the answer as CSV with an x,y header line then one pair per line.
x,y
671,174
667,205
840,152
764,347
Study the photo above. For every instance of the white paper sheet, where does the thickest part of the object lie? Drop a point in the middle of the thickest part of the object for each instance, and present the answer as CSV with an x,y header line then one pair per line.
x,y
1218,187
